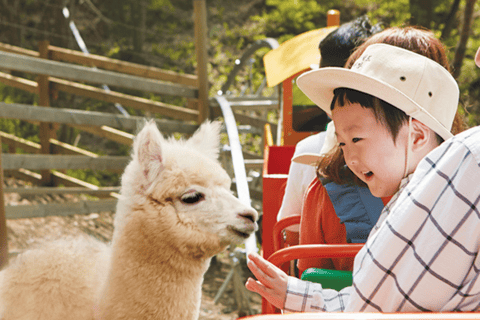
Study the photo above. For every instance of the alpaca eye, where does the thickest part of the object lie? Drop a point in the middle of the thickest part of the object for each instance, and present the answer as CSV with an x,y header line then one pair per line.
x,y
192,197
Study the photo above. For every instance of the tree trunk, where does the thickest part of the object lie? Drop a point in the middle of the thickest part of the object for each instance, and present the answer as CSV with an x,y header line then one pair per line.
x,y
421,13
450,20
138,20
464,34
10,14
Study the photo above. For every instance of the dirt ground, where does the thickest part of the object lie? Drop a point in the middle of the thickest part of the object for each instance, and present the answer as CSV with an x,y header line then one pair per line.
x,y
23,233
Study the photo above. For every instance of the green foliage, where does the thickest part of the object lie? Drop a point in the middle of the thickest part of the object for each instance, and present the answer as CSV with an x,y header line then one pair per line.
x,y
291,17
20,128
161,4
98,178
251,143
393,13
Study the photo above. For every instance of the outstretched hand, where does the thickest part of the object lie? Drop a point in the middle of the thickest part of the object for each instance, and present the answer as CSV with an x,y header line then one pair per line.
x,y
271,281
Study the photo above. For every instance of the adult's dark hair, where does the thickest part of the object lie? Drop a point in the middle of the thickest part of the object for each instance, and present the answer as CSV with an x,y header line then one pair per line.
x,y
340,43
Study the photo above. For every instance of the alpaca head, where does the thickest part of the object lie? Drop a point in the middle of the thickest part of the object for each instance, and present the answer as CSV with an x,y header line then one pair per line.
x,y
179,189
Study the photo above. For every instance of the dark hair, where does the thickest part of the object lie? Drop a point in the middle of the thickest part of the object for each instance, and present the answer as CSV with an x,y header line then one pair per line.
x,y
337,46
389,116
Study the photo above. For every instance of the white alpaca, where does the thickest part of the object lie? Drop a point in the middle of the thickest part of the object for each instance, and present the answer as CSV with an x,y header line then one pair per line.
x,y
175,212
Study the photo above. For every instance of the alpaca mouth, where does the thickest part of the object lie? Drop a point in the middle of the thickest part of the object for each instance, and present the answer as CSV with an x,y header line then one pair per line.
x,y
241,233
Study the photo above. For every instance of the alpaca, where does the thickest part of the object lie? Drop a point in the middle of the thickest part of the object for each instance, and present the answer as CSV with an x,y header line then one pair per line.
x,y
174,213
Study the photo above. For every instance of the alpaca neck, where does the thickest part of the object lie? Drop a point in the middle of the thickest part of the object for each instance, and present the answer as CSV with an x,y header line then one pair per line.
x,y
151,279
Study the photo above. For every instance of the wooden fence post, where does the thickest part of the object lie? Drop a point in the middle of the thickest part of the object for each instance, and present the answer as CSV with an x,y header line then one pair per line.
x,y
45,130
200,14
3,222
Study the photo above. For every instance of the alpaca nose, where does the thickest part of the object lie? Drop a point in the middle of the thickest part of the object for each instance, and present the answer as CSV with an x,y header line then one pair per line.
x,y
251,215
249,218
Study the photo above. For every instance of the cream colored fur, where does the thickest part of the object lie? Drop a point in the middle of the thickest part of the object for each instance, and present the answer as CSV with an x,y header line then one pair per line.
x,y
175,212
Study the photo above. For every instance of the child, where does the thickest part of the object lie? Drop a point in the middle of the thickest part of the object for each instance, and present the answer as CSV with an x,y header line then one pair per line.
x,y
390,111
335,49
320,222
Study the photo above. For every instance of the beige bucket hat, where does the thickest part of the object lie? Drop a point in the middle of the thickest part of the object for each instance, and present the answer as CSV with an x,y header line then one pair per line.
x,y
419,86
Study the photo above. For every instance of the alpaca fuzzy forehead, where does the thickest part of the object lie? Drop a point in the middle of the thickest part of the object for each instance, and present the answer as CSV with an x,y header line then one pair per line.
x,y
195,163
194,160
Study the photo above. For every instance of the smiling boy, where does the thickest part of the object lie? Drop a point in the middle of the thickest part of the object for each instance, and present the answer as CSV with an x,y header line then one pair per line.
x,y
391,111
375,150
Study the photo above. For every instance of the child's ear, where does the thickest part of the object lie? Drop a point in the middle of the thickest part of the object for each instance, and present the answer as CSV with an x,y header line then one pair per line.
x,y
423,138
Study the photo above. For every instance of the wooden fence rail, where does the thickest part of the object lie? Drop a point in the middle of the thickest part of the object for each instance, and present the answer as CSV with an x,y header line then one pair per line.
x,y
33,65
65,190
59,209
39,66
93,60
87,118
62,54
45,162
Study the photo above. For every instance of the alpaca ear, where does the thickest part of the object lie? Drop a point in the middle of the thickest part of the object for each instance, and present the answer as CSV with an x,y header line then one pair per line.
x,y
207,139
148,151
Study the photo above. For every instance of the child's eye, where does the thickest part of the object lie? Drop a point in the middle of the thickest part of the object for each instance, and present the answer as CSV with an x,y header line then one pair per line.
x,y
341,144
354,140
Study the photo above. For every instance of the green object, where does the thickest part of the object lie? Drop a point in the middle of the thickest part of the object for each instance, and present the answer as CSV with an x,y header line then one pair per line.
x,y
329,279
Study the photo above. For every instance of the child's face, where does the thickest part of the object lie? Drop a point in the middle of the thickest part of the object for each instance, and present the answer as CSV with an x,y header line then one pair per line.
x,y
369,149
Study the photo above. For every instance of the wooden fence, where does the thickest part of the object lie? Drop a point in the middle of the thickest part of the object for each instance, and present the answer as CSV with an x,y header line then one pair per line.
x,y
58,69
64,75
115,127
63,70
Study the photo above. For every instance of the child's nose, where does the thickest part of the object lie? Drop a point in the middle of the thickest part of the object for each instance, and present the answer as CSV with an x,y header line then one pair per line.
x,y
353,162
350,159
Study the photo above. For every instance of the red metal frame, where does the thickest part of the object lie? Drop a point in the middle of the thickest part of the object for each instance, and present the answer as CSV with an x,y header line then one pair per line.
x,y
275,171
306,251
278,242
309,251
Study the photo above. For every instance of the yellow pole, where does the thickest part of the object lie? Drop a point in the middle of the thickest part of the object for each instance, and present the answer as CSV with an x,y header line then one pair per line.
x,y
333,18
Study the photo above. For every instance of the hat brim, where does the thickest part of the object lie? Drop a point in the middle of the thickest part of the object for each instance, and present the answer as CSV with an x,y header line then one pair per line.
x,y
318,85
310,159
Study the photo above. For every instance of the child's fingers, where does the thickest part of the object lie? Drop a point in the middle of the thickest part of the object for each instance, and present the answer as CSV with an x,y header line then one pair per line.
x,y
253,285
272,295
265,266
265,279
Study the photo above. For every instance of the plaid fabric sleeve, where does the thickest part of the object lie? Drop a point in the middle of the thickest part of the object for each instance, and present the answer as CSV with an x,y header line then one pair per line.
x,y
424,255
304,296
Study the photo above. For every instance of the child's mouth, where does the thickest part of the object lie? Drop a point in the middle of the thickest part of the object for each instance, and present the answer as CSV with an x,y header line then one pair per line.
x,y
368,175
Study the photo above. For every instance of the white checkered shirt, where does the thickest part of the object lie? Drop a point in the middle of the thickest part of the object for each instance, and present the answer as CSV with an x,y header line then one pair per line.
x,y
422,255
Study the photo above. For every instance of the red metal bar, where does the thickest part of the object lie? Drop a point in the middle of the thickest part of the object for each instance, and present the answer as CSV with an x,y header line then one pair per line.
x,y
308,251
279,227
314,251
